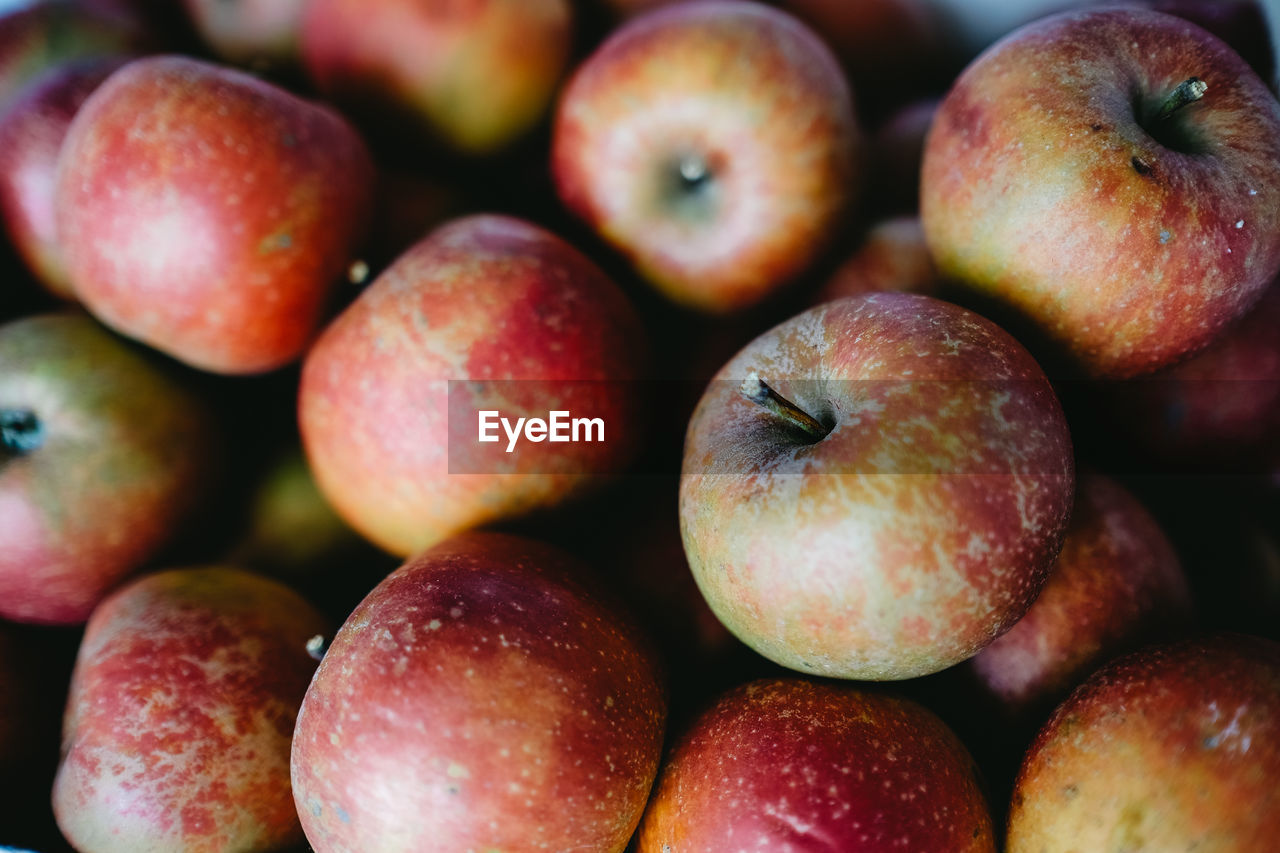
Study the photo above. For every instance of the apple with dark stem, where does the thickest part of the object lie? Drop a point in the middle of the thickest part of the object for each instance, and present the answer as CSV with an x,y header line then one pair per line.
x,y
713,144
876,488
1125,202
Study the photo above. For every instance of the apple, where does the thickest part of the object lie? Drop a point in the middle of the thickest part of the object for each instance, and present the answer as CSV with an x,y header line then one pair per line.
x,y
1112,176
249,32
791,765
32,130
103,456
876,488
209,214
713,144
486,314
477,74
181,710
892,256
482,697
1116,584
1240,23
1170,748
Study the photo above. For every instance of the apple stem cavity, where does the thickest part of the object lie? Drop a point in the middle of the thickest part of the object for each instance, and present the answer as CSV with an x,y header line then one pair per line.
x,y
758,391
21,431
1188,91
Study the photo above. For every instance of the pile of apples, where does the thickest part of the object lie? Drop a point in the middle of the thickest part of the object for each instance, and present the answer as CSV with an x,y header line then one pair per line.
x,y
935,498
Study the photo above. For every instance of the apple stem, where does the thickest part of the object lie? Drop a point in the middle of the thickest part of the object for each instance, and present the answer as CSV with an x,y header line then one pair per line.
x,y
758,391
20,431
317,646
1189,90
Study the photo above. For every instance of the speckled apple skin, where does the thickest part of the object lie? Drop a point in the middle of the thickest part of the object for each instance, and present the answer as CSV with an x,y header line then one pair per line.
x,y
1039,187
32,130
180,716
788,766
127,456
754,93
485,298
480,698
209,214
1116,581
1170,748
479,73
918,530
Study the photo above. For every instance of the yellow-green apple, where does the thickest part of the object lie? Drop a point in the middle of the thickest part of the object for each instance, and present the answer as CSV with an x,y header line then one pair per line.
x,y
249,32
209,214
876,488
892,256
477,74
1173,747
180,715
103,456
482,697
792,765
713,144
1112,176
32,130
488,314
1117,584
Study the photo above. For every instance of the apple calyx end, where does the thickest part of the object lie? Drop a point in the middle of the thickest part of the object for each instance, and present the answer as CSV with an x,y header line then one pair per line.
x,y
758,391
1188,91
21,432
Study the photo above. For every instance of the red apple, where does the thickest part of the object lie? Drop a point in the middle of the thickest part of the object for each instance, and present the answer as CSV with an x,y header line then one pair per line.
x,y
487,314
1081,172
1240,23
32,130
893,256
103,456
180,716
792,765
209,214
1116,584
249,32
885,492
478,74
480,698
713,144
1170,748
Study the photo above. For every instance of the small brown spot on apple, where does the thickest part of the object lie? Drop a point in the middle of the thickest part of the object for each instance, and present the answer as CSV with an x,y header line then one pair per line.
x,y
1142,167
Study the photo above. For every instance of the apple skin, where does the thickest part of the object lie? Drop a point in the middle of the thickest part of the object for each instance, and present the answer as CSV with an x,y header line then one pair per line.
x,y
180,715
32,130
249,32
1117,583
893,256
209,214
483,298
479,74
744,90
126,454
1240,23
1173,747
1046,193
918,530
791,765
481,697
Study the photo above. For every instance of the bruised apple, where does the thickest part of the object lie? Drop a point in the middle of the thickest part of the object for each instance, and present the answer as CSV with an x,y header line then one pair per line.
x,y
181,710
480,698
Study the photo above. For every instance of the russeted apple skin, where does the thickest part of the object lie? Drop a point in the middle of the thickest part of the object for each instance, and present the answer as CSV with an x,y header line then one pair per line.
x,y
480,698
1172,747
912,535
180,716
481,298
127,455
479,74
32,131
790,765
1042,189
210,214
1116,583
746,91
